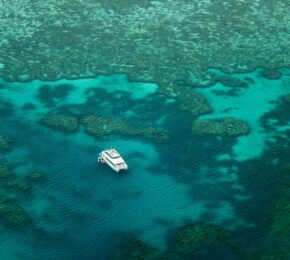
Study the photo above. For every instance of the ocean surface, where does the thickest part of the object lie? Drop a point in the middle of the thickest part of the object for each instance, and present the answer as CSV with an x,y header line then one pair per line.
x,y
80,207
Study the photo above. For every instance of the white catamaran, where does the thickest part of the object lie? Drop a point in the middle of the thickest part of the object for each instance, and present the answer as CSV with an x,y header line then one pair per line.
x,y
113,159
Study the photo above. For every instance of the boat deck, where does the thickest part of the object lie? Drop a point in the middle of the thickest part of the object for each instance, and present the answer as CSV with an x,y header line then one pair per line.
x,y
112,153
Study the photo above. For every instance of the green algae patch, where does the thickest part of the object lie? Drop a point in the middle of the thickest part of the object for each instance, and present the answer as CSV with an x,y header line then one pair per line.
x,y
13,214
100,126
5,142
65,123
220,127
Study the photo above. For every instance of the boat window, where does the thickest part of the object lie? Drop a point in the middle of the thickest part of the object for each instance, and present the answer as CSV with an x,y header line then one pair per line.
x,y
119,163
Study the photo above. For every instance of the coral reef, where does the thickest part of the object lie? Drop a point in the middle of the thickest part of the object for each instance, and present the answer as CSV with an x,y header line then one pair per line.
x,y
152,40
66,123
12,213
133,248
224,127
192,238
100,126
5,142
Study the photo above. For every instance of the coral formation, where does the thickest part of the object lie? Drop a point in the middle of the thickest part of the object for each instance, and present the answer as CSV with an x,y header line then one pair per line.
x,y
18,185
4,171
10,181
12,213
5,142
187,99
232,82
133,248
14,186
100,126
276,244
287,98
273,74
35,175
224,127
193,238
49,95
28,106
66,123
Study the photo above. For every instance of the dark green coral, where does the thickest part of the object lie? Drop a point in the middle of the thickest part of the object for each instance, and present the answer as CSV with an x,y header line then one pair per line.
x,y
191,239
5,171
66,123
35,175
133,248
273,74
12,213
220,127
101,126
5,142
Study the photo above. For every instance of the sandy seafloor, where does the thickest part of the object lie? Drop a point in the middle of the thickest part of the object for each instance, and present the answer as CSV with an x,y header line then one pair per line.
x,y
79,208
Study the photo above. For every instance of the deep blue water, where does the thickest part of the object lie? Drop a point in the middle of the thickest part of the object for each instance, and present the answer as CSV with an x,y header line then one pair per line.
x,y
80,207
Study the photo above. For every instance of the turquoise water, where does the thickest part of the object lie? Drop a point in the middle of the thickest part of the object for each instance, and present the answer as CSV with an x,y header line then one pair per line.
x,y
79,208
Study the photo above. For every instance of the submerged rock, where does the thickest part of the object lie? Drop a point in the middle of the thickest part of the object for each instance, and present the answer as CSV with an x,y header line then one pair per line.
x,y
5,142
100,126
66,123
224,127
